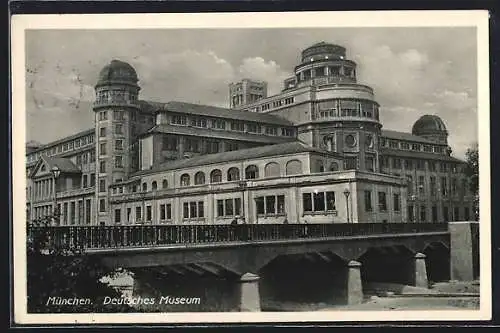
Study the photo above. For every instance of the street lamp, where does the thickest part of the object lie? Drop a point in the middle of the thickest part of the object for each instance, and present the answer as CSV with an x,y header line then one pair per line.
x,y
347,193
55,173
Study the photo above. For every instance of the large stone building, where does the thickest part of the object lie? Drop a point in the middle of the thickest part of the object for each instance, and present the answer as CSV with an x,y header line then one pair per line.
x,y
314,153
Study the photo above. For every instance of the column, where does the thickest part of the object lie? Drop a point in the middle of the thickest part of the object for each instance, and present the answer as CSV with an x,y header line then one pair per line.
x,y
249,293
420,278
354,284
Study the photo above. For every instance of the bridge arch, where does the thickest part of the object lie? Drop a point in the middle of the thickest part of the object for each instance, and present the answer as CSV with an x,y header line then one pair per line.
x,y
437,261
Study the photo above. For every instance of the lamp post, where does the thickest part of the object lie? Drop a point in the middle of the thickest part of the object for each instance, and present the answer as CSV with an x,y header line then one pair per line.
x,y
347,193
55,173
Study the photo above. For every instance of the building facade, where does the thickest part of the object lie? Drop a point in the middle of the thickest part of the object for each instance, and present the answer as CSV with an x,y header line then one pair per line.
x,y
314,153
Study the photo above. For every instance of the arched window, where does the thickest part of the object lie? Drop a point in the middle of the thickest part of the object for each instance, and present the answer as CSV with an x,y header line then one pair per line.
x,y
164,184
185,180
334,166
154,185
233,174
320,167
144,187
272,169
199,178
251,172
294,167
216,176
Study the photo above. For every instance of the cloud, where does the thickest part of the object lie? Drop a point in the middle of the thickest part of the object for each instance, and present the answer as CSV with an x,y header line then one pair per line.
x,y
259,69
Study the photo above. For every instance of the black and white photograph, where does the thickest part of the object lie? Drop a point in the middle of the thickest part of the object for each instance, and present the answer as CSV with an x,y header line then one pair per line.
x,y
251,167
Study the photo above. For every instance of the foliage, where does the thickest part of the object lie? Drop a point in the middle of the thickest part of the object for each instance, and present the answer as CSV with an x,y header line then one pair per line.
x,y
472,172
64,273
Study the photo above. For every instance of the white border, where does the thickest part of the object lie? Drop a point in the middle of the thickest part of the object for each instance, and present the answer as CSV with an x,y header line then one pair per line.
x,y
20,23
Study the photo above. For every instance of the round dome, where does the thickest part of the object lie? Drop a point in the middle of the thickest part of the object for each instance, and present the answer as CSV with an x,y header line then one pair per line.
x,y
322,48
117,72
428,124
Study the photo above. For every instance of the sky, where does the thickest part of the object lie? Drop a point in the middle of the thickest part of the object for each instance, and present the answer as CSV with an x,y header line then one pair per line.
x,y
414,71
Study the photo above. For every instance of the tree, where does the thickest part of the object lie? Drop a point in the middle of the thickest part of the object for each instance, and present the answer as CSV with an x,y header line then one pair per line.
x,y
55,271
472,173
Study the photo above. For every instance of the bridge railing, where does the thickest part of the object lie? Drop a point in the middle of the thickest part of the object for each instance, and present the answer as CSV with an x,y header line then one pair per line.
x,y
101,237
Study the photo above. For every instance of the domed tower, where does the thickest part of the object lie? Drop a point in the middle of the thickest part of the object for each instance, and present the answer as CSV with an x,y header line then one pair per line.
x,y
116,110
344,115
431,127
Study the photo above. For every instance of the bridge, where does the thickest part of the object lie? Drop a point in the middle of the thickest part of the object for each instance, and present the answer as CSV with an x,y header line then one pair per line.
x,y
260,258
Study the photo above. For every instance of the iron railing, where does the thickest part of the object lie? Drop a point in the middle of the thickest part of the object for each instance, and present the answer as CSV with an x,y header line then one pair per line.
x,y
102,237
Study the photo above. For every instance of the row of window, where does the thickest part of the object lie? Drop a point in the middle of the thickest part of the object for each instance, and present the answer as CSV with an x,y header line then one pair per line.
x,y
115,96
71,213
421,215
322,71
118,130
446,188
120,115
395,144
419,164
234,125
382,201
85,157
347,108
62,148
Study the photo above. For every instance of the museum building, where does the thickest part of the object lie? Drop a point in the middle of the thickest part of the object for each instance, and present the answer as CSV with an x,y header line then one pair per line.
x,y
314,153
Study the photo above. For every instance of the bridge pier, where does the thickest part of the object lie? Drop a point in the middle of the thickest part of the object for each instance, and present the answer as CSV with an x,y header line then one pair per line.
x,y
249,297
354,284
420,271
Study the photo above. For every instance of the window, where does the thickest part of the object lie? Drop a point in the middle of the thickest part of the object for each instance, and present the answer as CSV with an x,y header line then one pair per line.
x,y
421,184
453,186
405,145
368,201
427,148
423,214
118,115
289,100
433,185
102,185
118,216
103,115
212,147
369,161
78,159
199,122
270,205
272,169
218,124
163,211
415,146
409,180
408,164
434,213
193,209
411,213
118,144
397,202
237,126
382,201
393,144
420,165
85,181
294,167
154,185
102,132
444,186
103,149
169,143
319,201
102,205
148,213
432,166
251,172
138,213
102,166
271,130
118,128
192,145
199,178
216,176
178,120
164,184
88,209
456,215
445,214
92,156
350,163
254,128
466,214
185,180
396,163
118,161
92,179
233,174
230,146
129,212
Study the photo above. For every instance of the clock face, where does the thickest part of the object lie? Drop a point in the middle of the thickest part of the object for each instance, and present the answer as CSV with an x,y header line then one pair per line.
x,y
350,140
